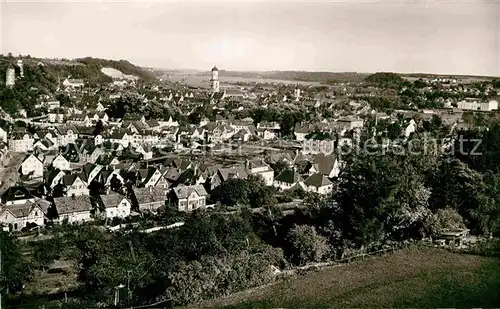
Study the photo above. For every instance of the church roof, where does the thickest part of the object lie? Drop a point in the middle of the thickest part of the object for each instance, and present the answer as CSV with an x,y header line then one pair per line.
x,y
215,68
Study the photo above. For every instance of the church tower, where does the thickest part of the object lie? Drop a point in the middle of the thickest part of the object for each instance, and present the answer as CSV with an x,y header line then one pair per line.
x,y
215,79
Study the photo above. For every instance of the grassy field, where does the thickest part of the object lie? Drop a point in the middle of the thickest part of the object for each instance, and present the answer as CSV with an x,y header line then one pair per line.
x,y
422,278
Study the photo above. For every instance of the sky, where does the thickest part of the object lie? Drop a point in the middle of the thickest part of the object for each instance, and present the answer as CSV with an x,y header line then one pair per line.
x,y
453,37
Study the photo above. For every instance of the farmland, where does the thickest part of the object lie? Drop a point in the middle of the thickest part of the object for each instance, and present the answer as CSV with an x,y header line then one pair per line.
x,y
409,278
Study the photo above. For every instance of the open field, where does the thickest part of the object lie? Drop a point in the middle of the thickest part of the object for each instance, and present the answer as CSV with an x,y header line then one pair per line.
x,y
422,278
203,81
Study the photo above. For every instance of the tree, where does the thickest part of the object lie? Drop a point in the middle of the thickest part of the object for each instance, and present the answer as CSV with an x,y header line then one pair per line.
x,y
444,219
115,184
58,190
15,269
306,245
99,126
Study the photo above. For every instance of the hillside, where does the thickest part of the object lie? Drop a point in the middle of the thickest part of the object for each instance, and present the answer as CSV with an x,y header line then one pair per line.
x,y
43,76
88,68
416,278
385,79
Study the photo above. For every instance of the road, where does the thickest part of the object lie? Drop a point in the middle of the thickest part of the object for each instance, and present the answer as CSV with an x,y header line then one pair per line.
x,y
9,174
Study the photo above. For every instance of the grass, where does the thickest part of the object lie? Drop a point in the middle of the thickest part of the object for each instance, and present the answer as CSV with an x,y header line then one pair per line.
x,y
422,278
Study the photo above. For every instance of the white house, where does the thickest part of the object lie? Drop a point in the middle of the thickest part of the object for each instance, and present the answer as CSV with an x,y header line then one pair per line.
x,y
318,183
410,128
16,217
73,83
33,166
188,198
21,142
259,167
115,206
75,186
60,162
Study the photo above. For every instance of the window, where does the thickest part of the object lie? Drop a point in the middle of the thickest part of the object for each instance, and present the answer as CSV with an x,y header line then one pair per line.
x,y
36,213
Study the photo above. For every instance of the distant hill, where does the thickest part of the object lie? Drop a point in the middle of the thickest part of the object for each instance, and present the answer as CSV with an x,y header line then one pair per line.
x,y
88,68
305,76
385,79
43,76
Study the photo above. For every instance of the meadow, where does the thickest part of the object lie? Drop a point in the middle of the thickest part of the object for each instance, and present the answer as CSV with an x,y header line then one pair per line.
x,y
417,277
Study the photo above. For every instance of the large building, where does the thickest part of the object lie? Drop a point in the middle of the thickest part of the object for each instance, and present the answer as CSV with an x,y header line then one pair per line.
x,y
215,80
475,104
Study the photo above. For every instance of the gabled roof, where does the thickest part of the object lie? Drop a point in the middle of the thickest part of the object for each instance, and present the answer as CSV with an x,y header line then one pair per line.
x,y
16,193
182,192
21,211
72,204
289,176
317,180
238,171
324,163
149,195
111,200
68,180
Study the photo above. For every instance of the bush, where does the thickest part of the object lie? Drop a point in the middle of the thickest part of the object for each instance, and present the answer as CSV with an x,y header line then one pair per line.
x,y
306,245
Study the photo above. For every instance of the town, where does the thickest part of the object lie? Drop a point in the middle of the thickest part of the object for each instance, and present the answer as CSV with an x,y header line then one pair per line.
x,y
148,150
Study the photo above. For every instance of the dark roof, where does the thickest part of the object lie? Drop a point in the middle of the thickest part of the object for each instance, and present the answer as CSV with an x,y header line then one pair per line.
x,y
289,176
16,193
324,163
111,200
215,69
71,204
149,195
317,180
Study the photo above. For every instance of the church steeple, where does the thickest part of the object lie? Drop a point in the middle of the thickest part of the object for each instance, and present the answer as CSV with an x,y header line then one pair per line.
x,y
215,79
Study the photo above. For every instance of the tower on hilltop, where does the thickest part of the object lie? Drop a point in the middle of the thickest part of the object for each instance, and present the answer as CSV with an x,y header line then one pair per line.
x,y
215,79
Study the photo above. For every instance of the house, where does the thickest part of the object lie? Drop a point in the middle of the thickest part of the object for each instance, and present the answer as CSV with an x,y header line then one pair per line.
x,y
73,209
188,198
224,174
318,183
474,104
261,168
267,134
410,128
17,195
115,206
19,216
61,163
66,135
287,179
316,143
301,131
21,142
45,145
149,177
32,166
74,185
91,171
327,165
52,177
149,199
73,83
91,153
350,123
